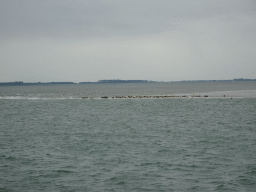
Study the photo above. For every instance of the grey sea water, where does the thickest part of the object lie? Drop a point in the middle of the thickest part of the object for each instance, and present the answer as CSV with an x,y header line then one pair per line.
x,y
52,140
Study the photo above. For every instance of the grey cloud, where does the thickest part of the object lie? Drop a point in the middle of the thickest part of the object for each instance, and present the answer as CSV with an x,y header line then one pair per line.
x,y
87,40
93,18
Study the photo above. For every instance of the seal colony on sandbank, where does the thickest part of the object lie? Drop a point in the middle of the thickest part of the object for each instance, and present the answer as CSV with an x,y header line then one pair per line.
x,y
147,97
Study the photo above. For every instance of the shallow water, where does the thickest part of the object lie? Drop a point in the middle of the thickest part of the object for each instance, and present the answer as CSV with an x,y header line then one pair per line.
x,y
212,89
51,140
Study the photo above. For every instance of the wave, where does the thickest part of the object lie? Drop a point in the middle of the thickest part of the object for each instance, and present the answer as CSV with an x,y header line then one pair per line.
x,y
36,98
118,98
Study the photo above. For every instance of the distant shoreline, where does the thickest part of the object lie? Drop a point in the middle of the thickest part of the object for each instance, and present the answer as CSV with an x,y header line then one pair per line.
x,y
21,83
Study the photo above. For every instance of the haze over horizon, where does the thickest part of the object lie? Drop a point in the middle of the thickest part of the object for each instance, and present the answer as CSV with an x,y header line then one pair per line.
x,y
85,40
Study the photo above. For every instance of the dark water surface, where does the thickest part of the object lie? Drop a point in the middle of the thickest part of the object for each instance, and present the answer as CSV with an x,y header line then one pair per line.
x,y
51,140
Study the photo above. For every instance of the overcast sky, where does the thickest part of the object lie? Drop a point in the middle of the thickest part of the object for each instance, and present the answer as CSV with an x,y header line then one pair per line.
x,y
160,40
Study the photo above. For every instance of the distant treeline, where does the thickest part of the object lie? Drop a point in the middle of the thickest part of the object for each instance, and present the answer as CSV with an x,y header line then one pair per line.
x,y
117,81
146,81
241,79
19,83
123,81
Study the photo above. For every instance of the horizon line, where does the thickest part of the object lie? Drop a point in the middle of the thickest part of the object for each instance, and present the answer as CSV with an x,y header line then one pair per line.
x,y
116,80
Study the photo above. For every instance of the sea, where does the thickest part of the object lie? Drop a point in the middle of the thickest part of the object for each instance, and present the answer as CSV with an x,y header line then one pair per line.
x,y
54,138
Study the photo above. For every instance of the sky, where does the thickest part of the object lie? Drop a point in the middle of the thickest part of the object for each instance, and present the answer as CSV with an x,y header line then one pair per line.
x,y
91,40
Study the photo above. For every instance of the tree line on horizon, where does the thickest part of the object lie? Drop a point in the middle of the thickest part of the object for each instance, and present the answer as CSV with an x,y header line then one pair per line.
x,y
17,83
